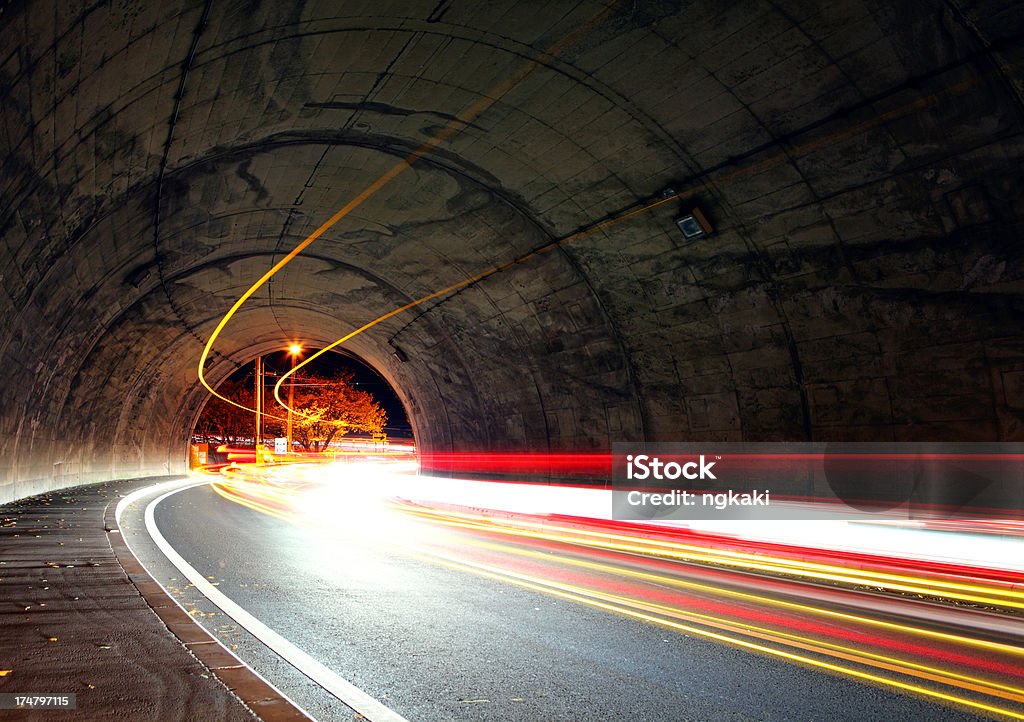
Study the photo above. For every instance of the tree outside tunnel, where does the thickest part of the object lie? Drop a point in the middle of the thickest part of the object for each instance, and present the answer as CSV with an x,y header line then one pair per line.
x,y
329,403
328,408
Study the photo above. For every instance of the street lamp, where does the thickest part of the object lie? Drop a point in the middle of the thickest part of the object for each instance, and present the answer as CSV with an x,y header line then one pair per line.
x,y
294,350
259,409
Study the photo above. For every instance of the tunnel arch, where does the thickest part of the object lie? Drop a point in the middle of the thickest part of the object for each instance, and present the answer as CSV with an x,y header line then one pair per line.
x,y
859,163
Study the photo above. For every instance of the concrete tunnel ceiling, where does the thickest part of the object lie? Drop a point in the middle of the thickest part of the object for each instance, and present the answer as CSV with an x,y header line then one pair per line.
x,y
859,161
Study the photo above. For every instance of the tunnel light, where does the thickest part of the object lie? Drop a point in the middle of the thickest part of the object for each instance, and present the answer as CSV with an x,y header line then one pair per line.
x,y
295,349
399,354
694,225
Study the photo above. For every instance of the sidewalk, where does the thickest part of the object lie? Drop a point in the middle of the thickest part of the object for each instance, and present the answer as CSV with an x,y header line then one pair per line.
x,y
78,615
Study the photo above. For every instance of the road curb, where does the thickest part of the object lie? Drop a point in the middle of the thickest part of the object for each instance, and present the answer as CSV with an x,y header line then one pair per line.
x,y
257,694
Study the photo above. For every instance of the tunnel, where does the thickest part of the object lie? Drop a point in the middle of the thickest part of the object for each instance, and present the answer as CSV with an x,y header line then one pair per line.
x,y
667,221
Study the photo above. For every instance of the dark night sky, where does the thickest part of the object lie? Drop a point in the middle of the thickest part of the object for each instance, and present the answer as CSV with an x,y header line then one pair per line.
x,y
364,378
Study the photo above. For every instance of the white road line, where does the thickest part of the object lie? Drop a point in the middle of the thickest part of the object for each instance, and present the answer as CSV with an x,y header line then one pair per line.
x,y
340,687
182,485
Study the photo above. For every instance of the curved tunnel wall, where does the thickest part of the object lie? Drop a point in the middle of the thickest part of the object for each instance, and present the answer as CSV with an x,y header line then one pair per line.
x,y
860,162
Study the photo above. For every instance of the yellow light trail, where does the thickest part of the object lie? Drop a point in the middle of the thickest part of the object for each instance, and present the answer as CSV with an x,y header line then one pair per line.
x,y
284,500
462,284
226,491
892,664
679,618
748,170
461,121
572,593
659,579
977,593
1014,693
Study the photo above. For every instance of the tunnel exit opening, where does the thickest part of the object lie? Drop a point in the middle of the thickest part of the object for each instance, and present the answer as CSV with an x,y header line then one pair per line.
x,y
339,402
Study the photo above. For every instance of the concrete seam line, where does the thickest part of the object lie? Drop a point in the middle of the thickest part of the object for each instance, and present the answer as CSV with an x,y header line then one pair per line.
x,y
352,696
247,699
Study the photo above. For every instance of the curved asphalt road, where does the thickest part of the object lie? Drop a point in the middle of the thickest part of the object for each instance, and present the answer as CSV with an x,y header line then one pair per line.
x,y
436,643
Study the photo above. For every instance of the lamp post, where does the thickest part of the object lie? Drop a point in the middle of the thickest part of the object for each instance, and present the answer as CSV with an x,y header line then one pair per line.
x,y
259,409
294,350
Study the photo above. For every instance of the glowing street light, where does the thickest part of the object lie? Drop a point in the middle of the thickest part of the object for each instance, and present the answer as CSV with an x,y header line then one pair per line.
x,y
294,350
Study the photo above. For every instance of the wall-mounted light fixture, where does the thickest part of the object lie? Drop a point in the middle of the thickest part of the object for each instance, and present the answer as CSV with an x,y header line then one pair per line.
x,y
399,354
694,225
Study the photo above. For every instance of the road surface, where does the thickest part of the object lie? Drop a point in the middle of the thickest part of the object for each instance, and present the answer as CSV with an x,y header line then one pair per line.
x,y
443,621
